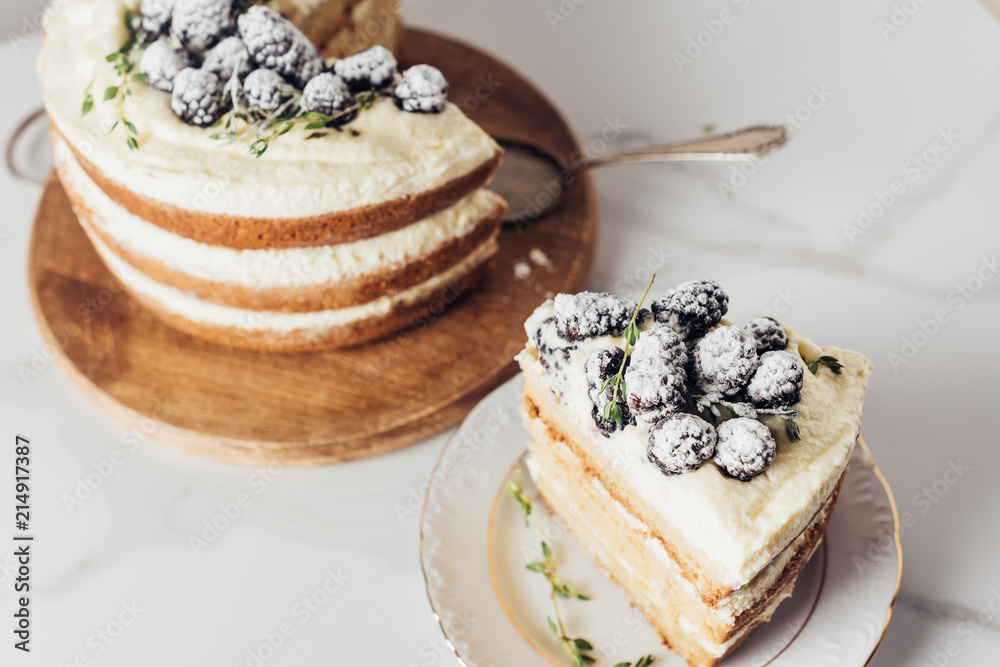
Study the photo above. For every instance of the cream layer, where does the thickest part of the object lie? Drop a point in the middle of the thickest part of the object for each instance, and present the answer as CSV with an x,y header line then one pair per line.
x,y
728,609
395,155
739,526
179,303
288,267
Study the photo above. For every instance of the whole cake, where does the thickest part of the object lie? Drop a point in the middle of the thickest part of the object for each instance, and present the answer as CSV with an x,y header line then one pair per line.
x,y
697,461
253,193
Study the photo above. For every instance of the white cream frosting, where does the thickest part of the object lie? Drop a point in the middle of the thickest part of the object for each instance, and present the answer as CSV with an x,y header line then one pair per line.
x,y
739,526
290,267
175,301
396,155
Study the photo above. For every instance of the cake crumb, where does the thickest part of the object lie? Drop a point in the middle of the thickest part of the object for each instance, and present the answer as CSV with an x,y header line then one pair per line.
x,y
538,256
521,269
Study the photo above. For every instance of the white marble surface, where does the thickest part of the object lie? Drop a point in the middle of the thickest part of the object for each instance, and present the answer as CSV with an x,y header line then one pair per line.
x,y
778,242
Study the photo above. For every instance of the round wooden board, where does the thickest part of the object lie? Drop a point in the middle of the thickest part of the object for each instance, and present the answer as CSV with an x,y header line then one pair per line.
x,y
320,407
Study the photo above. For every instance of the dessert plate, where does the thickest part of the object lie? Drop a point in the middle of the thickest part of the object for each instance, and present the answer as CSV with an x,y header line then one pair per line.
x,y
320,407
474,547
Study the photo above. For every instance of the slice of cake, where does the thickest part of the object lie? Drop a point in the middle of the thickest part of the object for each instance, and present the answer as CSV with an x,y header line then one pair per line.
x,y
250,192
697,461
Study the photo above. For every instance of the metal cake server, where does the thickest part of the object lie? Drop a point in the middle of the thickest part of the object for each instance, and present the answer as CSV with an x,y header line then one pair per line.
x,y
532,181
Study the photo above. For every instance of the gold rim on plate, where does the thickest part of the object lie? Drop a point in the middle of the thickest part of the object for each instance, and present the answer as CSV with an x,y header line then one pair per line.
x,y
868,459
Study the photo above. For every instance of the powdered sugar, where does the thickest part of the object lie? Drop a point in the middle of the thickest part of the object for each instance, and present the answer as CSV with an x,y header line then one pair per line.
x,y
228,57
769,333
200,24
161,63
724,361
656,375
275,43
680,443
692,308
266,90
196,98
156,15
778,380
423,89
327,94
371,68
590,314
745,448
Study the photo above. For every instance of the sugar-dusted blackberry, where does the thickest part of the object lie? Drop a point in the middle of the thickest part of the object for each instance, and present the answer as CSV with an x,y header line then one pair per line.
x,y
599,368
422,89
745,448
590,314
155,17
328,94
201,24
656,374
680,443
368,69
724,361
769,333
226,58
275,43
692,308
161,63
197,97
778,380
266,90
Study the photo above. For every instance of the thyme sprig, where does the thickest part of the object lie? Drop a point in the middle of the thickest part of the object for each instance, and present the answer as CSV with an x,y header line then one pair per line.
x,y
826,360
241,122
124,67
577,648
611,411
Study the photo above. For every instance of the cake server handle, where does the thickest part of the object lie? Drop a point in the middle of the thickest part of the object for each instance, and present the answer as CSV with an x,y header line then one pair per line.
x,y
750,143
10,150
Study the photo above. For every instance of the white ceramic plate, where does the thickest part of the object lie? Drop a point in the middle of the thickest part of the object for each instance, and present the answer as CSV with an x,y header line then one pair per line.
x,y
474,546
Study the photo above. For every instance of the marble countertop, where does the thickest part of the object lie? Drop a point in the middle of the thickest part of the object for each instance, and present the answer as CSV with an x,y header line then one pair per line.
x,y
877,228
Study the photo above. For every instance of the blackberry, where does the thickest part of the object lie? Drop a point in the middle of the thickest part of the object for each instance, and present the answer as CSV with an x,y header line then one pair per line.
x,y
600,366
200,24
371,68
745,448
161,62
680,443
656,375
423,89
266,90
226,58
328,94
275,43
197,97
155,17
590,314
769,333
777,382
692,308
724,361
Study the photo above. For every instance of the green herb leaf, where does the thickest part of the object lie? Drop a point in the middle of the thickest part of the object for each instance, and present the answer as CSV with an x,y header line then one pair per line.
x,y
537,566
132,143
826,360
792,430
139,78
546,551
582,644
623,664
88,100
552,627
111,93
131,128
